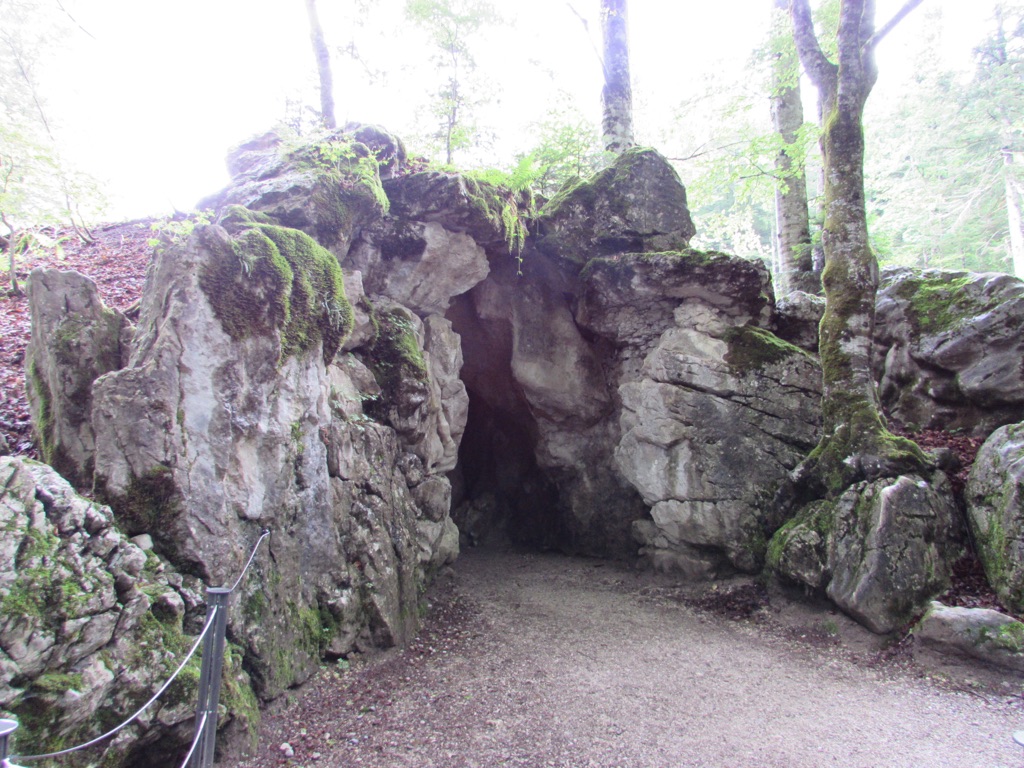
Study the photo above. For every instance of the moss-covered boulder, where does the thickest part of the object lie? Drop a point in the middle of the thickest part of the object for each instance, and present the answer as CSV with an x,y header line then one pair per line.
x,y
979,633
328,186
488,213
995,511
637,204
91,625
881,550
949,346
75,340
632,297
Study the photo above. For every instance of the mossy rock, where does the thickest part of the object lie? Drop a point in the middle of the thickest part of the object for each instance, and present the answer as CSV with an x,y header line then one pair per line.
x,y
493,215
941,301
395,357
271,279
638,204
753,348
798,551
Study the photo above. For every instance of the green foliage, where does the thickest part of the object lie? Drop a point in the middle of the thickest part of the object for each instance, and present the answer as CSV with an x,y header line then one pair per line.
x,y
566,147
451,25
178,229
936,169
510,195
38,187
727,164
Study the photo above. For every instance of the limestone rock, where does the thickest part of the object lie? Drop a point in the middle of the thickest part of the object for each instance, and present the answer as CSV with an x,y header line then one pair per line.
x,y
891,550
330,189
459,203
637,204
951,345
420,265
91,624
234,416
797,317
75,339
632,298
995,511
980,633
715,420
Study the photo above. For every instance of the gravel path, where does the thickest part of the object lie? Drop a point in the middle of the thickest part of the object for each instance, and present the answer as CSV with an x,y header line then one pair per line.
x,y
544,660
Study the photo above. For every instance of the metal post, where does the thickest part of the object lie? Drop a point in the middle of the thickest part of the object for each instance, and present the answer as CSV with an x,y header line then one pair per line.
x,y
209,676
7,727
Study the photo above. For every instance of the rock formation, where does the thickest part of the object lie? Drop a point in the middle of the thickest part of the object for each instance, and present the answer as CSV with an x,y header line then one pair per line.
x,y
995,511
370,363
92,624
949,346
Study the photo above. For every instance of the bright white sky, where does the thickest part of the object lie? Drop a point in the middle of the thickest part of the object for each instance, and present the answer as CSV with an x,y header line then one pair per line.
x,y
150,102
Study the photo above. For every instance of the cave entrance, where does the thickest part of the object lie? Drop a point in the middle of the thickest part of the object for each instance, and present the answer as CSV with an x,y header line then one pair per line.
x,y
500,496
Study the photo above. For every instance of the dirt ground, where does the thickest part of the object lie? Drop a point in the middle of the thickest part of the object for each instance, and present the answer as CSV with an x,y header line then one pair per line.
x,y
546,660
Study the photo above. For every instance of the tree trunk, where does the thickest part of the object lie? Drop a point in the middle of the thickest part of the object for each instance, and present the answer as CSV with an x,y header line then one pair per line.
x,y
617,95
1014,194
796,269
855,443
323,66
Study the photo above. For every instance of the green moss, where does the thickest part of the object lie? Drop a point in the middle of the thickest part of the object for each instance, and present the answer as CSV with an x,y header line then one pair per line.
x,y
272,278
395,354
818,517
347,187
44,421
623,268
506,208
149,502
237,695
995,550
1008,637
940,301
754,348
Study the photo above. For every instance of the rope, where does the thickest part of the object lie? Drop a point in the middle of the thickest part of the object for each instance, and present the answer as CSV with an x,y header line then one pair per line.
x,y
195,646
130,720
266,532
195,741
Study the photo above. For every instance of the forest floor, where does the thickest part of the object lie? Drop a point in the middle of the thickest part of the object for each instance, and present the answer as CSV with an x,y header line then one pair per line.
x,y
546,660
116,260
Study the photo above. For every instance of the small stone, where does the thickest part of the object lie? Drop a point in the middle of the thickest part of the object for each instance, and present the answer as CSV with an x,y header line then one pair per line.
x,y
286,750
143,541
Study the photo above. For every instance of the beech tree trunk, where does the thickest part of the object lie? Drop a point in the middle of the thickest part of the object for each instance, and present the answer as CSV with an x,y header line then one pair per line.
x,y
856,444
617,95
796,260
323,66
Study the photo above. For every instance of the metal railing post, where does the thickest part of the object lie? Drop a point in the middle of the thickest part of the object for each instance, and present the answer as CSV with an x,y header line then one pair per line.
x,y
7,727
209,676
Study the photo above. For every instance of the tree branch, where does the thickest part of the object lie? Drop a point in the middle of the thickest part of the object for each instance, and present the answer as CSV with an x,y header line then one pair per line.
x,y
586,28
61,6
822,71
888,27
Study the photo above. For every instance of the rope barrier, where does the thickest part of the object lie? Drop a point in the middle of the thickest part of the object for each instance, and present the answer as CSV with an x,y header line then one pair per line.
x,y
130,720
195,740
211,618
266,532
